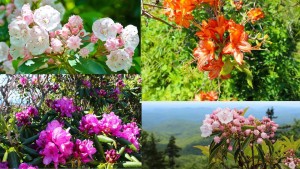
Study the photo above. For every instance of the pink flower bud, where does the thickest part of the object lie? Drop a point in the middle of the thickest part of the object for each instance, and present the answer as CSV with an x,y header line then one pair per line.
x,y
259,140
217,139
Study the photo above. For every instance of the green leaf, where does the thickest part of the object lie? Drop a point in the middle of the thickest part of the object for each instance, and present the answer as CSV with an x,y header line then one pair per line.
x,y
127,143
245,68
245,127
30,151
215,150
261,154
36,161
227,68
30,66
31,139
105,139
4,159
87,66
130,164
13,160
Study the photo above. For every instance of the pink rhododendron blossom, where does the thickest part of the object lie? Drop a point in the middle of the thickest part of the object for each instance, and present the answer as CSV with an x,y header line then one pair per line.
x,y
64,106
19,32
27,14
4,51
23,117
74,42
84,52
225,116
26,166
111,156
110,124
55,144
84,150
46,17
217,139
130,132
39,41
119,60
90,124
104,29
23,81
34,80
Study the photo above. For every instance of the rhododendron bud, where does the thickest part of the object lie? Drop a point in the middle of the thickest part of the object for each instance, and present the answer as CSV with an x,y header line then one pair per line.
x,y
32,111
8,67
217,139
264,135
47,17
57,46
39,41
225,116
103,29
84,150
130,36
74,42
27,14
247,132
111,156
119,60
75,22
94,39
84,52
230,148
259,140
19,32
256,132
23,81
4,51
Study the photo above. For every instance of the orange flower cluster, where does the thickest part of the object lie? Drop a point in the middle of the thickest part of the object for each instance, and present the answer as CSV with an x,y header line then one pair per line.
x,y
209,96
255,14
213,45
180,11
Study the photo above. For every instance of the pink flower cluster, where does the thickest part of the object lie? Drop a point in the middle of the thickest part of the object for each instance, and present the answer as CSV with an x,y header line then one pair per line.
x,y
111,156
110,124
55,144
27,166
23,81
23,117
86,83
65,106
3,165
291,160
232,124
84,150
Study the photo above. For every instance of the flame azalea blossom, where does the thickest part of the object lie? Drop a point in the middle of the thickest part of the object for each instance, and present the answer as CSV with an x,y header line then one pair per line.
x,y
180,11
255,14
238,42
209,96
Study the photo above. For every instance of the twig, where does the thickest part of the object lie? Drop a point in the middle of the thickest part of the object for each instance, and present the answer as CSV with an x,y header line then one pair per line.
x,y
148,15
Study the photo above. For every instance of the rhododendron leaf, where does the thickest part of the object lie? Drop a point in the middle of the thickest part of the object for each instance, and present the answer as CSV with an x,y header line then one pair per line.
x,y
99,147
236,153
88,66
13,160
130,165
261,154
31,65
246,142
105,139
31,139
270,145
27,158
4,159
216,149
101,166
36,161
227,68
44,118
121,151
204,150
30,151
16,62
128,157
127,143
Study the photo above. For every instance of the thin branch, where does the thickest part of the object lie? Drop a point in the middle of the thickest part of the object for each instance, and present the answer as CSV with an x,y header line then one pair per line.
x,y
148,15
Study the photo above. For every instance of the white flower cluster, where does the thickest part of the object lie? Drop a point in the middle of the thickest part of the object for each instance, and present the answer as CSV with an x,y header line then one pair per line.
x,y
121,47
37,32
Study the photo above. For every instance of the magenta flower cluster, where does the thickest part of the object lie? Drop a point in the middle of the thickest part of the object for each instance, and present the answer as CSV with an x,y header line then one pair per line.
x,y
27,166
111,156
56,146
232,123
3,165
84,150
65,106
110,124
23,117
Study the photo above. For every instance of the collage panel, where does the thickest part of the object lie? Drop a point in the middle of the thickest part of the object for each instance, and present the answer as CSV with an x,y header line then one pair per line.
x,y
203,135
220,50
70,121
69,37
